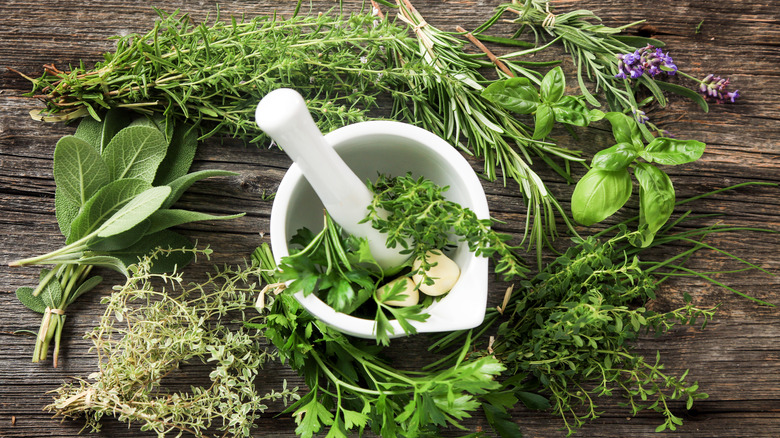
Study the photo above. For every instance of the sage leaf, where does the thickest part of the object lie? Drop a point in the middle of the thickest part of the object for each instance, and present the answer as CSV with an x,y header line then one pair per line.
x,y
514,94
656,199
553,86
616,157
65,210
157,121
85,287
624,128
106,261
121,240
544,121
135,152
599,194
32,302
671,151
134,212
181,152
113,121
52,293
181,184
167,218
79,171
166,239
103,205
91,131
685,92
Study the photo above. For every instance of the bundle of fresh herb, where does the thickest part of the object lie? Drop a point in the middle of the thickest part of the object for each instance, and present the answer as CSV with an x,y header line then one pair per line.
x,y
117,181
351,388
147,333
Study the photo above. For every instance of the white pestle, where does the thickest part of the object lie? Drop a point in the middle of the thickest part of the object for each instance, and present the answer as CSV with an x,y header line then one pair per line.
x,y
283,115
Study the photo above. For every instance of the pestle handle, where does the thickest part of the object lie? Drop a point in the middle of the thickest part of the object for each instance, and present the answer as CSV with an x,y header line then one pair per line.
x,y
283,115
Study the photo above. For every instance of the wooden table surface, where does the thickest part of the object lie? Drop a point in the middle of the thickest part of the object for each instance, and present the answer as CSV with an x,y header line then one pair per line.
x,y
736,359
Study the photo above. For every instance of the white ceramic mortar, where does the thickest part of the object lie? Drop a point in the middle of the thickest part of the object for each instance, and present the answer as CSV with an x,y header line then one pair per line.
x,y
391,148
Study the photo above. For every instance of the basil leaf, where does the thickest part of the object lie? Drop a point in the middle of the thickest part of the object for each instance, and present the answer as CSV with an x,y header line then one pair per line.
x,y
166,262
181,184
671,151
32,302
543,123
134,212
103,205
616,157
553,86
599,194
514,94
656,199
167,218
135,152
624,128
572,110
79,171
179,156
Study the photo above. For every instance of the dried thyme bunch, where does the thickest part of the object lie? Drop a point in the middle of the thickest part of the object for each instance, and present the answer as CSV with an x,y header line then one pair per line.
x,y
148,332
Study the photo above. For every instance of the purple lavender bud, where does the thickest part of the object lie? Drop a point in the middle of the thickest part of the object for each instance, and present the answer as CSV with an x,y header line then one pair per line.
x,y
647,59
640,116
715,87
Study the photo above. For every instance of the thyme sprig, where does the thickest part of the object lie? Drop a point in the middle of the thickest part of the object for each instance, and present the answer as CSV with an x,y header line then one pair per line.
x,y
147,332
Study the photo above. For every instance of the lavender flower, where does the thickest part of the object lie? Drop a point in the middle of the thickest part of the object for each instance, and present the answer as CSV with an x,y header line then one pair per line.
x,y
715,87
640,116
647,59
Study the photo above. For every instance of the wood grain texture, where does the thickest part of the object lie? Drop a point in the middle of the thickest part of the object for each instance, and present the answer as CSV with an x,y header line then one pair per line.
x,y
736,359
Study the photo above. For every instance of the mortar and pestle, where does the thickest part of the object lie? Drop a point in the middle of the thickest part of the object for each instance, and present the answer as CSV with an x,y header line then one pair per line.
x,y
331,171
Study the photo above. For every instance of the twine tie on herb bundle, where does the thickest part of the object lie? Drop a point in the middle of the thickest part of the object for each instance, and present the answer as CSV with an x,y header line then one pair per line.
x,y
47,320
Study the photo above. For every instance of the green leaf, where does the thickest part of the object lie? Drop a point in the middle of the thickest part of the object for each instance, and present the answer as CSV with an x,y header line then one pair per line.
x,y
114,121
52,293
532,400
573,111
167,218
106,261
32,302
354,419
135,152
599,194
514,94
616,157
311,417
66,210
121,240
91,131
656,200
624,128
103,205
543,123
181,184
79,171
178,159
501,422
671,151
86,286
165,239
134,212
157,121
685,92
553,86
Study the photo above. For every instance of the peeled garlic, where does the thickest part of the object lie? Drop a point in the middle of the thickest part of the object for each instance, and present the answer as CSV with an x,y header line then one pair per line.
x,y
409,289
444,274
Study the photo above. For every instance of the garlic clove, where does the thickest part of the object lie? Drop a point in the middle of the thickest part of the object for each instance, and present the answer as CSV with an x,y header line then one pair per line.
x,y
444,273
409,289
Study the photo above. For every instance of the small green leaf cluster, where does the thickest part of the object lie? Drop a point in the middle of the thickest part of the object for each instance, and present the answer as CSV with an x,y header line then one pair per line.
x,y
421,219
148,332
340,270
352,389
116,183
607,186
548,103
570,332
